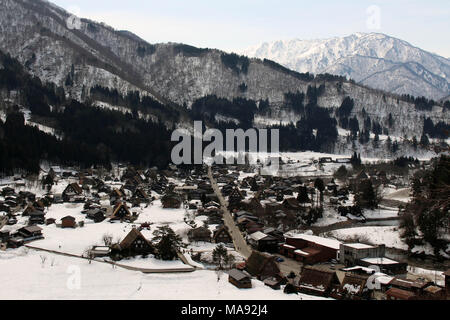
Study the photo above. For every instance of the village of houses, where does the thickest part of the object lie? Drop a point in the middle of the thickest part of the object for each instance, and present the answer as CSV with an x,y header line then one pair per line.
x,y
90,234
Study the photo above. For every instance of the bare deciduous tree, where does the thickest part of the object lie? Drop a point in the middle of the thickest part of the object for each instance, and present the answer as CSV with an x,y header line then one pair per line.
x,y
43,259
88,254
107,239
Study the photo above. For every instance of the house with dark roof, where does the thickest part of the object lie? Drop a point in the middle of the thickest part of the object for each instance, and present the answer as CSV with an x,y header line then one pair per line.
x,y
199,234
133,244
319,282
221,235
415,286
274,233
291,204
28,210
252,205
71,191
310,249
253,226
4,236
140,194
68,222
263,242
36,217
121,212
239,279
96,214
262,266
354,287
171,201
400,294
235,198
30,233
115,196
273,283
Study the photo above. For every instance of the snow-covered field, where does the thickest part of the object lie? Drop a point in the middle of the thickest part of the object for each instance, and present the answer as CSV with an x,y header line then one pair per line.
x,y
381,213
76,241
388,236
403,195
151,263
24,276
330,216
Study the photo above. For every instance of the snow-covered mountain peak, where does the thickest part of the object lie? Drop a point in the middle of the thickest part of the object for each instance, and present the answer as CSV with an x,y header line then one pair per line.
x,y
354,55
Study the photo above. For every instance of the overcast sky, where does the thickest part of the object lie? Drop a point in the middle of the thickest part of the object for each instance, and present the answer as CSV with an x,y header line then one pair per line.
x,y
237,24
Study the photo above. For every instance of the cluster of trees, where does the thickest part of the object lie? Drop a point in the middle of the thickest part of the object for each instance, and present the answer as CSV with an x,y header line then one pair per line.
x,y
23,147
421,103
301,76
346,108
243,87
446,106
405,161
221,256
90,136
366,196
167,243
237,63
145,49
439,130
429,209
316,132
241,109
189,51
115,135
133,101
295,101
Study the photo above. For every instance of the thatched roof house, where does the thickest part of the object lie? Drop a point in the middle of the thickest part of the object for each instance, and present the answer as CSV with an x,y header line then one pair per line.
x,y
262,266
317,281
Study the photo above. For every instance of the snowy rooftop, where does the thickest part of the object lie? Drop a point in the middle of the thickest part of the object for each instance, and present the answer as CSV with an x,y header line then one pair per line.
x,y
258,235
367,270
384,279
326,242
379,261
358,245
301,252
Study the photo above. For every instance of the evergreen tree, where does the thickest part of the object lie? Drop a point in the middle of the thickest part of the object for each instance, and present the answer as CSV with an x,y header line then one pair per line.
x,y
366,196
302,196
341,173
220,254
430,205
167,243
424,140
320,185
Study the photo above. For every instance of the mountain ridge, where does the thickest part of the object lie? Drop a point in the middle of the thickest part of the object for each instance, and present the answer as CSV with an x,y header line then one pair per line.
x,y
325,55
177,74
